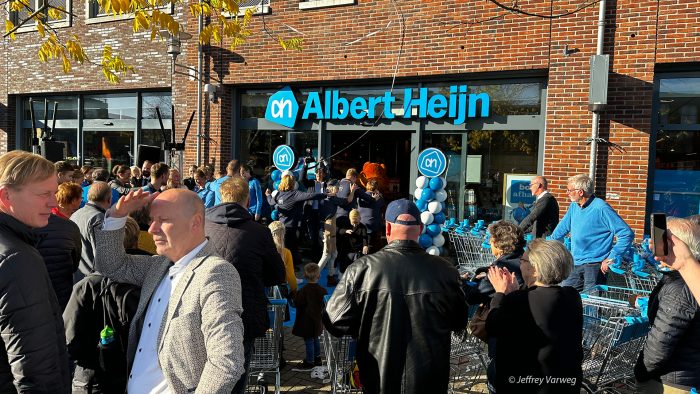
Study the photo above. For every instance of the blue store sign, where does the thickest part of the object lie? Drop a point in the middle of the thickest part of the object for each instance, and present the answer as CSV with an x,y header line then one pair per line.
x,y
432,162
283,157
458,105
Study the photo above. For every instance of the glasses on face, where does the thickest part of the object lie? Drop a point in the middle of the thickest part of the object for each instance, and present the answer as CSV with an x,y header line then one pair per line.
x,y
535,184
572,190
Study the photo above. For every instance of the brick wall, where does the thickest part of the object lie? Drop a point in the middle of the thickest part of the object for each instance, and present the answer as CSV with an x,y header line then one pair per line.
x,y
441,37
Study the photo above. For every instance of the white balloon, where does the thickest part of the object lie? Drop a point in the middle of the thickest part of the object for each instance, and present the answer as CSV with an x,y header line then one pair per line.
x,y
433,250
422,182
426,217
441,195
438,240
417,193
434,207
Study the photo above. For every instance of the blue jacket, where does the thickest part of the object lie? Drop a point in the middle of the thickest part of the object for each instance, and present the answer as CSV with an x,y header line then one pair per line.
x,y
592,229
115,196
206,195
256,197
214,186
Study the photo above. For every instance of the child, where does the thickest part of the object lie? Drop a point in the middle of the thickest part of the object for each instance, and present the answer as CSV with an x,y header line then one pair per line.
x,y
329,250
277,229
309,302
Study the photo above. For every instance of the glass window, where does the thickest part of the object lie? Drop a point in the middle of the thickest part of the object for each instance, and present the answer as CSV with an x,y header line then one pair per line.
x,y
161,100
152,137
504,99
69,137
108,148
679,101
254,102
110,106
67,108
496,153
677,173
257,147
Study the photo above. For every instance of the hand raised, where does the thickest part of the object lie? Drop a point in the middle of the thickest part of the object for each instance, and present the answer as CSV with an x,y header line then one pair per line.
x,y
135,200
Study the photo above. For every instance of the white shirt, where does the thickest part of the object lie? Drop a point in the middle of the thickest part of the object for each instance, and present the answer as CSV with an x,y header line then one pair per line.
x,y
146,375
541,194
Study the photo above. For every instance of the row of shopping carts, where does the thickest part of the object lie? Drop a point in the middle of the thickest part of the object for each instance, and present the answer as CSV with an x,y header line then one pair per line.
x,y
265,359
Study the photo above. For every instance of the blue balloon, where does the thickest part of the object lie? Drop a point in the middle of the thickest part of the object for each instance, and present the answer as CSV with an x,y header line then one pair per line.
x,y
436,183
433,229
439,218
427,194
276,185
422,205
275,215
276,175
425,241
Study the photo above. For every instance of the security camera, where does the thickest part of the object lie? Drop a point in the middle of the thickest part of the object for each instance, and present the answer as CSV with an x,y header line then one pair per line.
x,y
211,90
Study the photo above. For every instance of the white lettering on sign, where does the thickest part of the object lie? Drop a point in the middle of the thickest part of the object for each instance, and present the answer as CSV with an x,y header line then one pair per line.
x,y
277,108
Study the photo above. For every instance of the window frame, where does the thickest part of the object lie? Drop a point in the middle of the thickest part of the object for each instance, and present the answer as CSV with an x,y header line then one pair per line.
x,y
31,26
102,18
315,4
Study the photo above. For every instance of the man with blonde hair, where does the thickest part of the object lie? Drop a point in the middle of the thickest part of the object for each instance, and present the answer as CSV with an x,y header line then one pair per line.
x,y
593,225
235,236
33,352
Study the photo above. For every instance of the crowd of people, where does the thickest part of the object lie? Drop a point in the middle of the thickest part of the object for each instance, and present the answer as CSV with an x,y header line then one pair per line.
x,y
137,280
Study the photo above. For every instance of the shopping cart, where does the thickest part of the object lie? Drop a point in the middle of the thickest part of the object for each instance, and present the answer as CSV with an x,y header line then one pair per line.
x,y
265,357
614,332
470,250
468,363
340,360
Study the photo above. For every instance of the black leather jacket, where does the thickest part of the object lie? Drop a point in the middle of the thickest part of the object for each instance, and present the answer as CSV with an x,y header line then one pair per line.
x,y
672,350
401,304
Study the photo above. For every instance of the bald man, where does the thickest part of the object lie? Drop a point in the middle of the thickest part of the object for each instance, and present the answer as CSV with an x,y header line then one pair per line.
x,y
544,214
401,304
187,334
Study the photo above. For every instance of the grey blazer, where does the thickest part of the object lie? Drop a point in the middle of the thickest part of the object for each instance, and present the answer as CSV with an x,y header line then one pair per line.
x,y
200,342
88,218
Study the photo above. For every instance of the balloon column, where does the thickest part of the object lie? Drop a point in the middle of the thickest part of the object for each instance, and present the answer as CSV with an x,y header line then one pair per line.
x,y
430,197
276,176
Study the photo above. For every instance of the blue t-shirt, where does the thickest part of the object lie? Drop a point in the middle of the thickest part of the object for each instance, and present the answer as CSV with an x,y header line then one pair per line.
x,y
593,228
207,196
256,197
215,186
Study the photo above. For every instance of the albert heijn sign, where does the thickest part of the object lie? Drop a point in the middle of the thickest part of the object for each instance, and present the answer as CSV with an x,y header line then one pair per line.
x,y
458,105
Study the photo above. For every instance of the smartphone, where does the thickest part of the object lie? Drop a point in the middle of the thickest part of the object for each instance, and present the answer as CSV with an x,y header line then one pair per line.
x,y
658,234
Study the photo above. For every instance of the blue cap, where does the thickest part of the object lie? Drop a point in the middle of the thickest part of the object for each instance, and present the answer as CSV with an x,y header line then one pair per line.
x,y
401,207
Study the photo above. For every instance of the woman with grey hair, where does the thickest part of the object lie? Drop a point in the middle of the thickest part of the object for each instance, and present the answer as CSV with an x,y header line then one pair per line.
x,y
539,330
670,359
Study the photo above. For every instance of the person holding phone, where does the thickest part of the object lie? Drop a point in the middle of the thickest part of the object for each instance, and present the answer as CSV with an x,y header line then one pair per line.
x,y
681,259
670,360
593,225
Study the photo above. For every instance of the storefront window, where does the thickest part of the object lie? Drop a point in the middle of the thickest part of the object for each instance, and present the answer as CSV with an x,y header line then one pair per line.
x,y
677,173
257,146
679,101
505,99
67,108
108,148
498,153
161,100
110,106
69,137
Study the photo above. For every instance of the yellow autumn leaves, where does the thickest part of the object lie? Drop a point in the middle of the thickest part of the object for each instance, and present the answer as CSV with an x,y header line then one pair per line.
x,y
224,22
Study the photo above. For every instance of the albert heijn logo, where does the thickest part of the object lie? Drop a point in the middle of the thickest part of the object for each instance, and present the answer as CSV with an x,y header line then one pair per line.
x,y
282,108
432,162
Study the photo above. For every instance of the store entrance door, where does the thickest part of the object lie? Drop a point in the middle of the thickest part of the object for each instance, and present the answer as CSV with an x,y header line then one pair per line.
x,y
391,148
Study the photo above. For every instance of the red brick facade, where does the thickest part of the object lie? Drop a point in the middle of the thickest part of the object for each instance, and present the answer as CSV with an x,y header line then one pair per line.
x,y
441,37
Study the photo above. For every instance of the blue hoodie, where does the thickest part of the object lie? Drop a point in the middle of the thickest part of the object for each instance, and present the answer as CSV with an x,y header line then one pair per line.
x,y
592,229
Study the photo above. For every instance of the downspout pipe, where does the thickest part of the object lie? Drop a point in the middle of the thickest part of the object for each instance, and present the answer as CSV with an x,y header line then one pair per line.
x,y
596,114
199,93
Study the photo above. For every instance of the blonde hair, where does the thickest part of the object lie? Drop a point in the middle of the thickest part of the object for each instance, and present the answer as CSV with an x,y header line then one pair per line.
x,y
286,184
67,193
354,214
131,233
312,271
350,172
18,168
235,189
552,262
277,229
